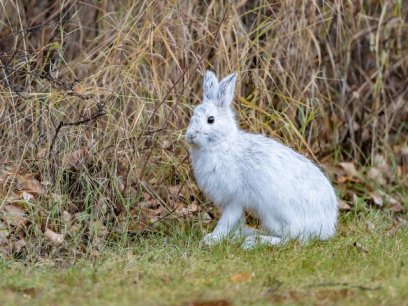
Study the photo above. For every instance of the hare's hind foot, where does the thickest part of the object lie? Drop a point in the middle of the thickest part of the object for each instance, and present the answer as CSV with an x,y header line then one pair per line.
x,y
241,232
252,241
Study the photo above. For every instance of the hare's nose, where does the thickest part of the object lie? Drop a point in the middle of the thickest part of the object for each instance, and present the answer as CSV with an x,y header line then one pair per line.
x,y
191,135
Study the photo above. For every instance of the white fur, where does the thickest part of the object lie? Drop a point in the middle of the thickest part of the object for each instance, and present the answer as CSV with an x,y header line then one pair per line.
x,y
239,171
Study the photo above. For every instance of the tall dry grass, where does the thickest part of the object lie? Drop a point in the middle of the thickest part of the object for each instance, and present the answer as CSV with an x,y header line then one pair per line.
x,y
95,97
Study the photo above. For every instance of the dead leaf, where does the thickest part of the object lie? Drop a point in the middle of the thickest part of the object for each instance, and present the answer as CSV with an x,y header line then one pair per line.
x,y
153,214
354,197
349,168
210,303
342,179
176,192
101,206
377,199
402,221
30,184
77,88
381,163
391,200
18,245
166,144
150,201
242,277
376,175
343,205
66,217
14,215
54,237
193,207
397,208
181,210
76,159
75,228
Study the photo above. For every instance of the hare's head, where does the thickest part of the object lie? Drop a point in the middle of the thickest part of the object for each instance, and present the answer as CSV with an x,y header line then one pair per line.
x,y
213,121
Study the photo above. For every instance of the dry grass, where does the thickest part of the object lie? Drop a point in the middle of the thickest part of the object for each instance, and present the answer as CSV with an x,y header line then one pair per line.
x,y
95,97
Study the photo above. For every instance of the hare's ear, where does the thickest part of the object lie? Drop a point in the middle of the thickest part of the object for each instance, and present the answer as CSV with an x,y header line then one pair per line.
x,y
225,93
210,85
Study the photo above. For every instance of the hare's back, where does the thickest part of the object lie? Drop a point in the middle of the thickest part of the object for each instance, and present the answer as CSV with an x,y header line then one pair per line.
x,y
268,161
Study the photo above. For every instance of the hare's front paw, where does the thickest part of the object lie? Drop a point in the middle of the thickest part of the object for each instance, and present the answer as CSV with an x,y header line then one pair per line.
x,y
212,238
249,243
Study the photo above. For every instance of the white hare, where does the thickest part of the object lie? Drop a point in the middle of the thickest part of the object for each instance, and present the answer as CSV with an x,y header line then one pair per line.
x,y
238,170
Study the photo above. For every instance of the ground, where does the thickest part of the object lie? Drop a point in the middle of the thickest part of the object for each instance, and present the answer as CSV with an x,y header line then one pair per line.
x,y
365,264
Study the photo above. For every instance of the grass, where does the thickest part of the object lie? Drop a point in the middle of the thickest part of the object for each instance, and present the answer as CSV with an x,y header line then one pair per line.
x,y
364,264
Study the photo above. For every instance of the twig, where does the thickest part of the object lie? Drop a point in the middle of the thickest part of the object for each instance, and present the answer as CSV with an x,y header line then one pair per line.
x,y
62,124
67,86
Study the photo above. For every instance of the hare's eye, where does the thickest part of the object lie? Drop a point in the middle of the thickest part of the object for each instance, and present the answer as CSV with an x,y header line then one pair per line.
x,y
210,119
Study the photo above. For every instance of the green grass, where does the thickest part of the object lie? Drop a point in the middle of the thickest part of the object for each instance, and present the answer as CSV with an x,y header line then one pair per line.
x,y
366,264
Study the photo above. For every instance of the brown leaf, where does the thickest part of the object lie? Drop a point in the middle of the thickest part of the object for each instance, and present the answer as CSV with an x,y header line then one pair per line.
x,y
242,277
376,175
343,205
101,206
14,215
54,237
18,245
349,168
176,192
381,163
391,200
66,217
210,303
150,202
193,207
76,159
397,208
377,199
342,179
75,228
77,88
153,214
30,184
181,210
166,144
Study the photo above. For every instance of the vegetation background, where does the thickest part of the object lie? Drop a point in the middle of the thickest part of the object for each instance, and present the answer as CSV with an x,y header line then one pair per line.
x,y
95,97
